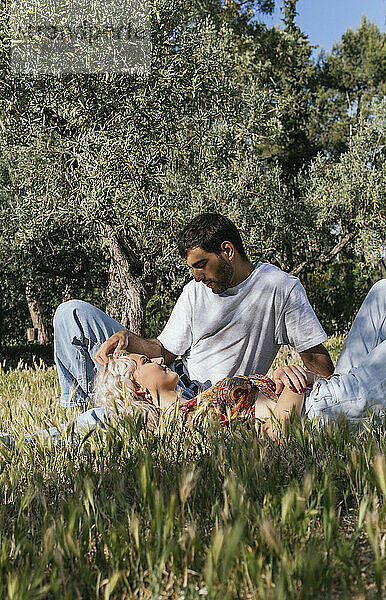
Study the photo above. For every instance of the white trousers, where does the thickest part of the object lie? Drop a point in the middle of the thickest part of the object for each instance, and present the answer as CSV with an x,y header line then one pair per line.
x,y
358,385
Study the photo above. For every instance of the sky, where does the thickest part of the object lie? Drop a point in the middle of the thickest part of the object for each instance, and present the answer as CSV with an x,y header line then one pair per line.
x,y
324,21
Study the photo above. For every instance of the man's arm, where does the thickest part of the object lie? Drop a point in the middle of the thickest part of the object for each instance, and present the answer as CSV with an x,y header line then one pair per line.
x,y
300,328
317,360
128,341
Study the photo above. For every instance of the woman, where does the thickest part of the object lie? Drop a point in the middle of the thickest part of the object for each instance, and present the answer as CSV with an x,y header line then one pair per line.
x,y
133,383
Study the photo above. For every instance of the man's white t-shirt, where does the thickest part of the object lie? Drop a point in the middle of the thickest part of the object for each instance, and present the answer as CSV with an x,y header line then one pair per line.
x,y
239,332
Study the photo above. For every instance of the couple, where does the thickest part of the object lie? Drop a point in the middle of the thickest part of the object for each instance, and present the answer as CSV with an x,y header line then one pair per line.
x,y
228,325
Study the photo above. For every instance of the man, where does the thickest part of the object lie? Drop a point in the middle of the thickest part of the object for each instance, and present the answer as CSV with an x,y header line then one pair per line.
x,y
231,319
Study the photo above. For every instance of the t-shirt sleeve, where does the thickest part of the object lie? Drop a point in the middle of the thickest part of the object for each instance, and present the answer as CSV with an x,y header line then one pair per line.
x,y
298,324
176,337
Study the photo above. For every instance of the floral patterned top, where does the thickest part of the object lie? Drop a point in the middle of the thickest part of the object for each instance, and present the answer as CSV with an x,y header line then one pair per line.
x,y
234,397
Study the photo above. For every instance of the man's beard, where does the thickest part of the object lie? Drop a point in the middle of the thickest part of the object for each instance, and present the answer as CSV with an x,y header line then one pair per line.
x,y
223,277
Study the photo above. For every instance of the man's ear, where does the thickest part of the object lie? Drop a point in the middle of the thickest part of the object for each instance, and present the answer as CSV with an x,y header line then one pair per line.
x,y
228,249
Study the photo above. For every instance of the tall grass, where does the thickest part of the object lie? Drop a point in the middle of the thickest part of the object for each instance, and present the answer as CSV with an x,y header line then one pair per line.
x,y
186,513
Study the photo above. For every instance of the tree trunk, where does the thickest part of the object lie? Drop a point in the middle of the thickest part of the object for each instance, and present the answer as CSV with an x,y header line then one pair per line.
x,y
126,294
129,287
38,332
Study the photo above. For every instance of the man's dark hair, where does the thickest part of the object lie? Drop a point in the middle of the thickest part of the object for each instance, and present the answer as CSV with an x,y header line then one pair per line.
x,y
209,231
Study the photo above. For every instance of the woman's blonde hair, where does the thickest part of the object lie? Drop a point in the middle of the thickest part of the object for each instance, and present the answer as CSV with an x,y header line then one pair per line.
x,y
116,390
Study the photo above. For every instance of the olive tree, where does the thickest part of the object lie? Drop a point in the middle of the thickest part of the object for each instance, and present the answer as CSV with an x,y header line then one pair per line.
x,y
347,193
129,158
114,165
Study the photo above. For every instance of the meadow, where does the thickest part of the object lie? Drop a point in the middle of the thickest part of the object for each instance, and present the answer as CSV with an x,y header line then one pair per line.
x,y
186,513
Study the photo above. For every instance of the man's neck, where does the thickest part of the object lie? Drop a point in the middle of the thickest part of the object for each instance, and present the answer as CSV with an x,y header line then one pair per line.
x,y
243,269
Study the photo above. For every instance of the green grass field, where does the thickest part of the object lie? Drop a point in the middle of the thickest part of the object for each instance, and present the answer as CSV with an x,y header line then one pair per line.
x,y
186,513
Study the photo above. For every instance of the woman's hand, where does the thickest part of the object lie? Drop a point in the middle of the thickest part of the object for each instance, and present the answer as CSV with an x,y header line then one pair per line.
x,y
294,377
116,343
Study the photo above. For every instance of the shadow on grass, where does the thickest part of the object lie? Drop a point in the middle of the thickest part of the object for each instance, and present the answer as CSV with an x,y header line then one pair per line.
x,y
27,353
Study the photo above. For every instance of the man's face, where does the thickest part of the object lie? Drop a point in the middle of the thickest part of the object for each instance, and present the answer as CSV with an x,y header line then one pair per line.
x,y
213,271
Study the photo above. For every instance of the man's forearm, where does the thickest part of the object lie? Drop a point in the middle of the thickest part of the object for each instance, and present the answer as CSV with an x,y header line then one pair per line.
x,y
318,361
138,345
151,348
126,341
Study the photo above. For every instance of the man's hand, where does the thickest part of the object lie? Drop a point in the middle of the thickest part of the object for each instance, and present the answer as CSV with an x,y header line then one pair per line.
x,y
116,343
126,340
294,377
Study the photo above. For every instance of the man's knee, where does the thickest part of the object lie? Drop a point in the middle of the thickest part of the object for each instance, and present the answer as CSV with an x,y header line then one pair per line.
x,y
379,287
378,290
66,311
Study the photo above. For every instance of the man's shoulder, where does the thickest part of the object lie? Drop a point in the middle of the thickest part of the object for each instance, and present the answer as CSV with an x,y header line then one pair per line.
x,y
195,290
189,295
189,286
273,277
190,289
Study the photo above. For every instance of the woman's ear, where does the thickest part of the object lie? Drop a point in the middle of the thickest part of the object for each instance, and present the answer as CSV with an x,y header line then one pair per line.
x,y
142,391
145,393
139,389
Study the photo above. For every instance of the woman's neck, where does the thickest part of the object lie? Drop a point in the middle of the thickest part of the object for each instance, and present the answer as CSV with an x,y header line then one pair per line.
x,y
164,399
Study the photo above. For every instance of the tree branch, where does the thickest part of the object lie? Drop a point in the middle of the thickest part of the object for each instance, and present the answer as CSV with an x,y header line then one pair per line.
x,y
325,258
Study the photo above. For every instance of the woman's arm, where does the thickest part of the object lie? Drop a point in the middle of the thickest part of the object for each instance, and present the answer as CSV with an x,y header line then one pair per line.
x,y
287,402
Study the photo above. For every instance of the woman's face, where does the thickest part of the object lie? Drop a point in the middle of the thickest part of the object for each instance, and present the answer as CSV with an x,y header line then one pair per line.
x,y
152,374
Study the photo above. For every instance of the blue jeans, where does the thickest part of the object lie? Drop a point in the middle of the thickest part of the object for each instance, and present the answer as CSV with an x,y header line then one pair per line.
x,y
79,330
359,382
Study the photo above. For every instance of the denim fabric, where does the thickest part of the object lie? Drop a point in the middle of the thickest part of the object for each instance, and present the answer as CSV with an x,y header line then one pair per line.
x,y
79,330
368,329
359,383
87,420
